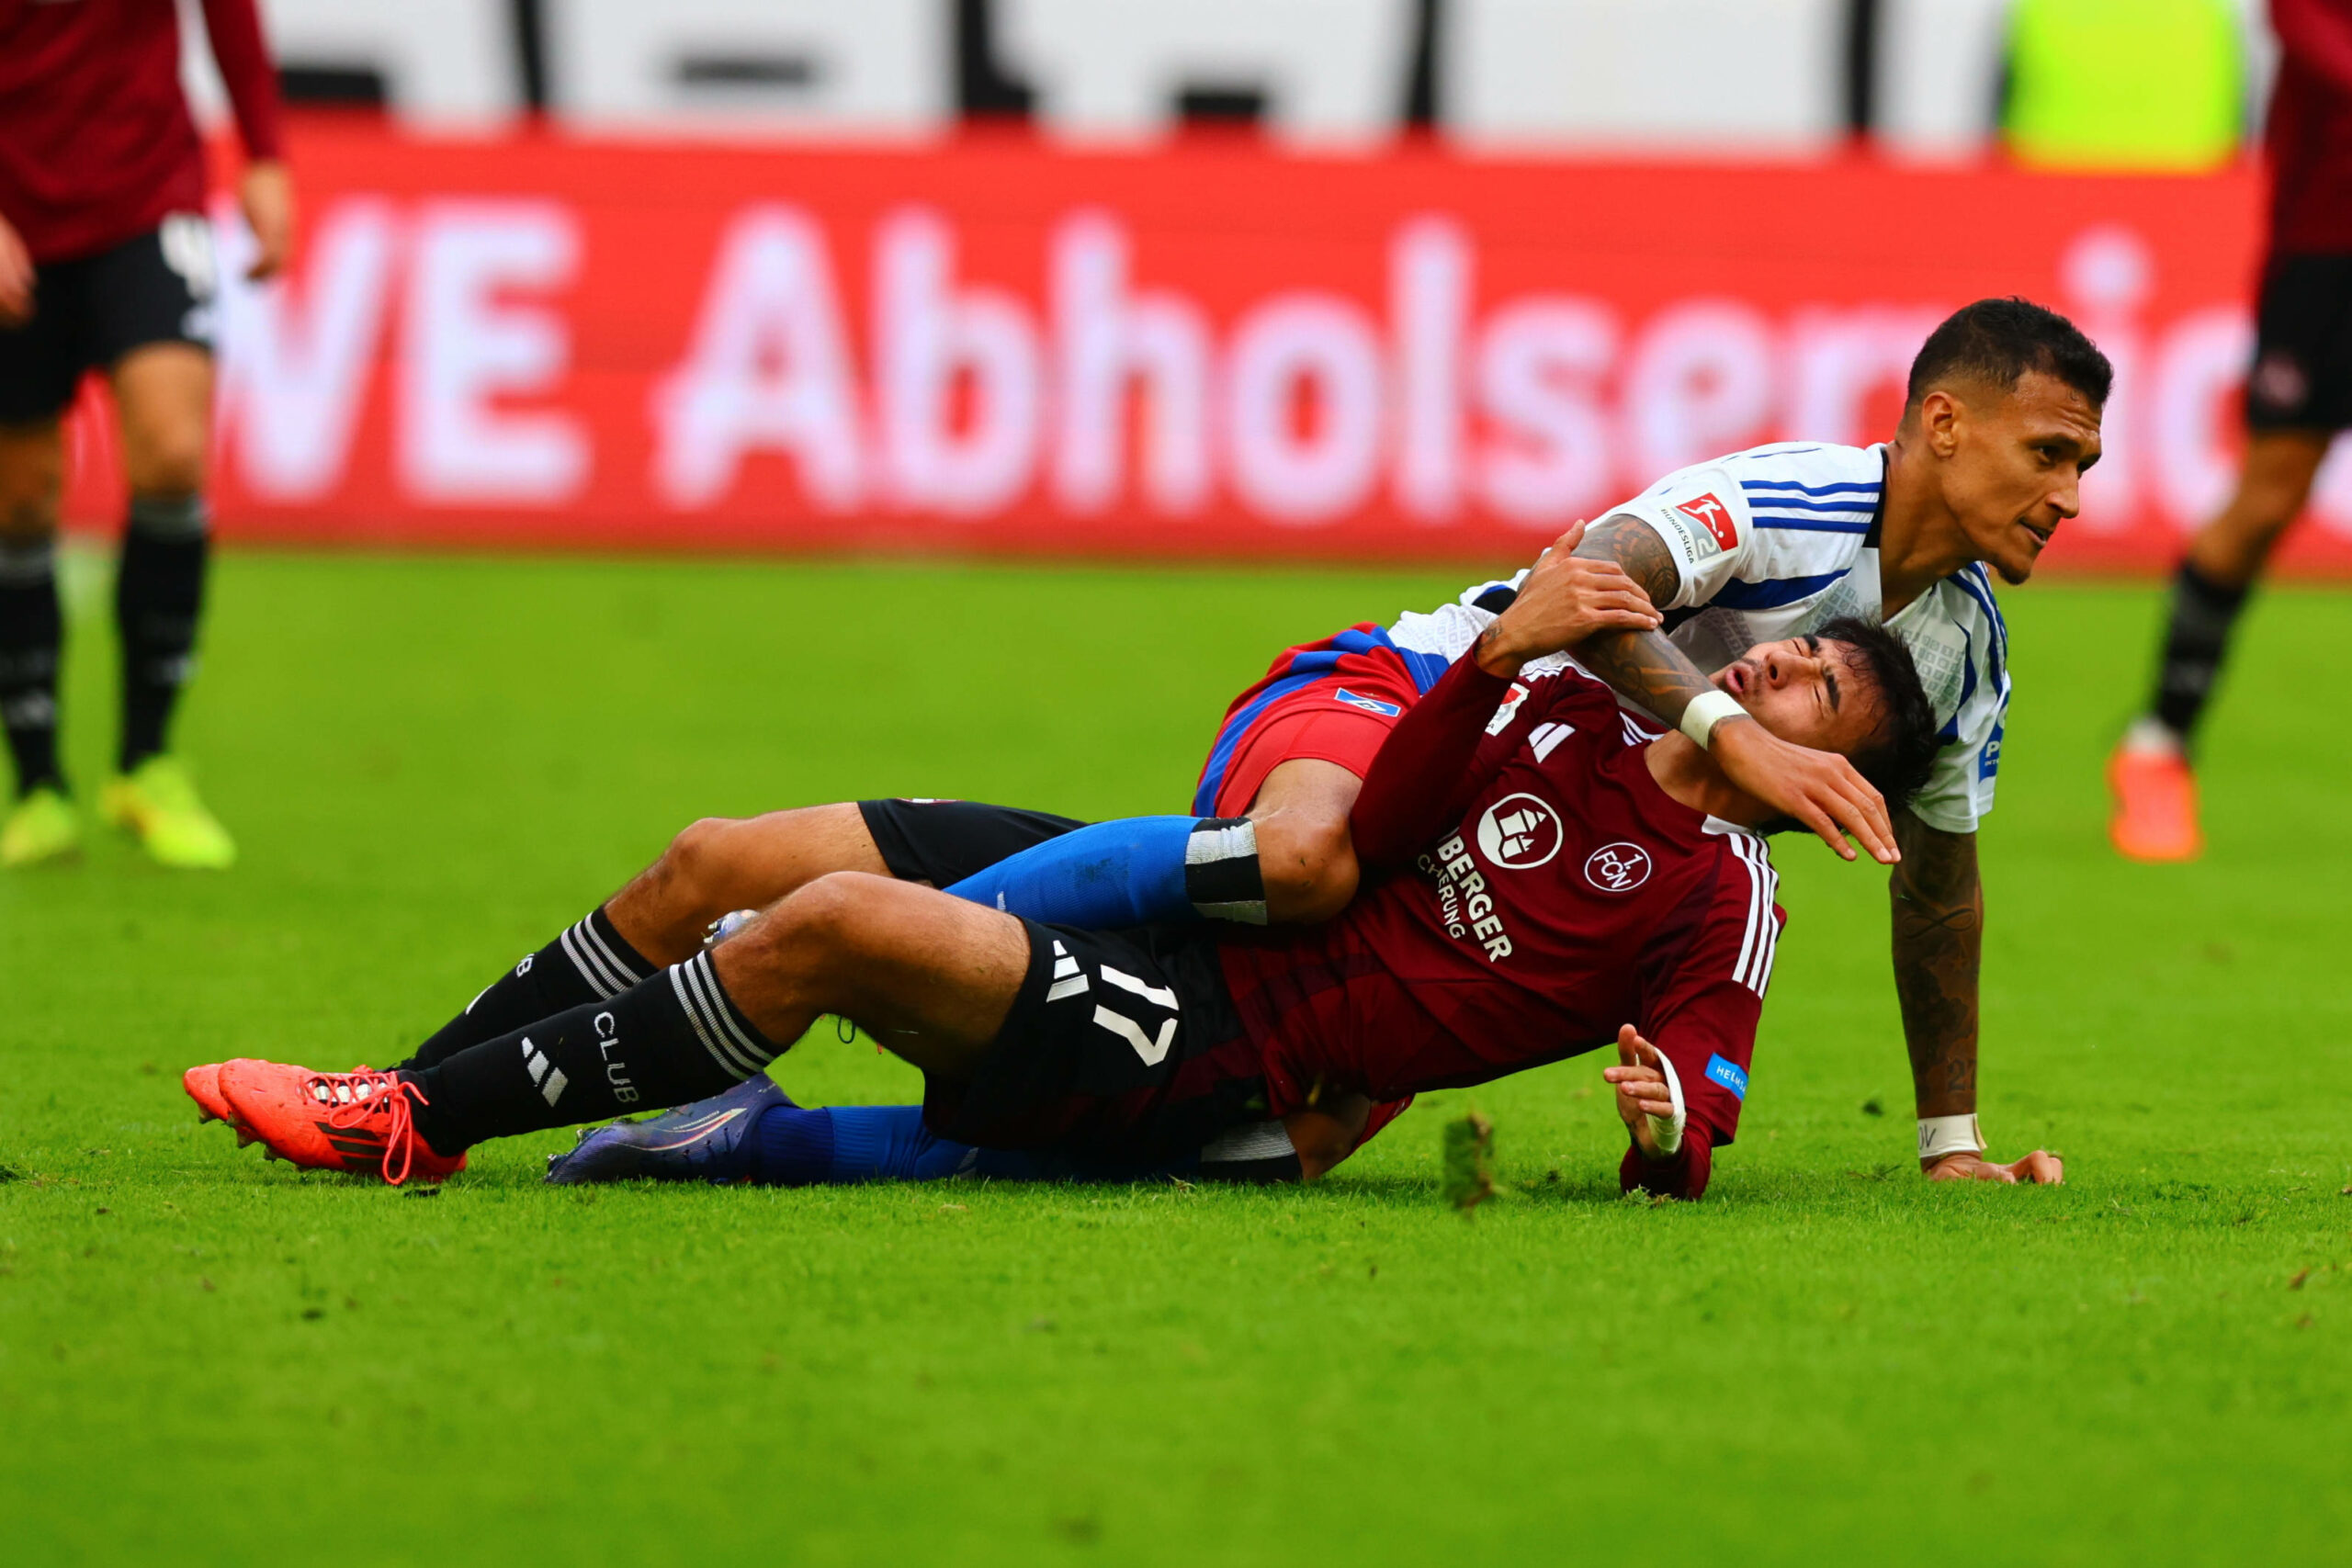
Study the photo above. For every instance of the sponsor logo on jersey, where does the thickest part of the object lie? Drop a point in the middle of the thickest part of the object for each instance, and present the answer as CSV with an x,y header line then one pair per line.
x,y
1988,762
1506,709
1729,1075
1463,901
1519,832
1716,518
1369,705
1618,868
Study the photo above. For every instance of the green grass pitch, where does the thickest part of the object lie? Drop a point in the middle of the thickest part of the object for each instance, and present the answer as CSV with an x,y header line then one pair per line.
x,y
435,763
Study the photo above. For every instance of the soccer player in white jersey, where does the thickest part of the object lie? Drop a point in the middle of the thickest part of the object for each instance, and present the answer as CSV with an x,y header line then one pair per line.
x,y
2001,419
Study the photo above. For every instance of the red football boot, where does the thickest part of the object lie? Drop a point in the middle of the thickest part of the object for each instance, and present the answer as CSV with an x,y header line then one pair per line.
x,y
203,1086
357,1121
2155,805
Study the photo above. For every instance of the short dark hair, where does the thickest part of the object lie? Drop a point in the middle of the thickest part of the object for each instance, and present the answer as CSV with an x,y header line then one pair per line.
x,y
1899,757
1998,342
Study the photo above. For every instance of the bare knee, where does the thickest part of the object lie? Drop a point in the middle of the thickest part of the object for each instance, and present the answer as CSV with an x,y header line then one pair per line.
x,y
31,478
1309,866
689,882
822,925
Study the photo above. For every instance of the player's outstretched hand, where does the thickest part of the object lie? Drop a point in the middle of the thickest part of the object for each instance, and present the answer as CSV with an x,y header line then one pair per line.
x,y
1820,789
2041,1169
1565,599
15,278
1640,1081
267,195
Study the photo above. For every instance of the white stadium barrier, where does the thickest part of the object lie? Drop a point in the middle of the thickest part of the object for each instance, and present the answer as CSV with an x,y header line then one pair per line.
x,y
444,65
865,68
1331,73
1938,76
1719,76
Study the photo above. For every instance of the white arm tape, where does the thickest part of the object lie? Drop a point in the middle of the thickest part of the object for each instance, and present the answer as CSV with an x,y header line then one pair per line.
x,y
1707,710
1942,1136
1668,1130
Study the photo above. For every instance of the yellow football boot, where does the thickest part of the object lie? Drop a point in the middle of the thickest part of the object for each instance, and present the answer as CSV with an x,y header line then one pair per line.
x,y
156,804
40,827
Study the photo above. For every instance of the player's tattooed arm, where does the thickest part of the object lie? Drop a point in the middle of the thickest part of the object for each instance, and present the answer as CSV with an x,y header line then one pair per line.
x,y
1937,903
1644,665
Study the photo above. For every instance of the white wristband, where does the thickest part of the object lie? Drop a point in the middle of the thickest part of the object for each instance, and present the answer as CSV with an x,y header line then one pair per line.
x,y
1707,710
1668,1130
1942,1136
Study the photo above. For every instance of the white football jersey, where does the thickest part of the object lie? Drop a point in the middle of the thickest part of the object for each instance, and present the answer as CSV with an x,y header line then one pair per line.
x,y
1769,543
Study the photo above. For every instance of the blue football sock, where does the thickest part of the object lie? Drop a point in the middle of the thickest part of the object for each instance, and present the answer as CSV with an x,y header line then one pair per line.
x,y
1132,872
890,1143
792,1147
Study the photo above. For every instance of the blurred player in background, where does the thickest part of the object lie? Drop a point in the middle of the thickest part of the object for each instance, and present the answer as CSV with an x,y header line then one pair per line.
x,y
106,264
2298,396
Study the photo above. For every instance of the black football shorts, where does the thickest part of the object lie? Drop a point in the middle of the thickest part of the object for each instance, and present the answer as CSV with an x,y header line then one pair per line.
x,y
1121,1047
944,841
2301,377
90,311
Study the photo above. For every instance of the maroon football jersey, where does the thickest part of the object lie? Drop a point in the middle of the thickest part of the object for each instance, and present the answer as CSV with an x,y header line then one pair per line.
x,y
1564,894
95,140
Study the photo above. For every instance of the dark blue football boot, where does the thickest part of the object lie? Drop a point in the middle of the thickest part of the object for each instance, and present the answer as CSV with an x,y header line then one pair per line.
x,y
708,1141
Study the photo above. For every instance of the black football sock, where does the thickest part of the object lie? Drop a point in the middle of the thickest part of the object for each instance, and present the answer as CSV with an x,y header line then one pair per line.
x,y
669,1041
2203,612
158,598
589,963
31,632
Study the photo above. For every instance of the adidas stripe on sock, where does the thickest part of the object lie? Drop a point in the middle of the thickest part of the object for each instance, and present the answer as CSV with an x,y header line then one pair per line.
x,y
735,1046
590,962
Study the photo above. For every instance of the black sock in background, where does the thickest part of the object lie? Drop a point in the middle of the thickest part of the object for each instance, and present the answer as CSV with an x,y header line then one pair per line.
x,y
158,599
2203,612
32,631
672,1039
589,963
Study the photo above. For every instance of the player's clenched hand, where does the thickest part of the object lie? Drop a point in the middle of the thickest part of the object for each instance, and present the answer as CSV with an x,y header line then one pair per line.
x,y
1640,1083
1819,789
2040,1167
15,278
1565,600
267,195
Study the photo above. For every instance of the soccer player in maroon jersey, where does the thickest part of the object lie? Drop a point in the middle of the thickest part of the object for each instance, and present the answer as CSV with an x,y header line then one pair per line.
x,y
2298,397
1551,878
106,264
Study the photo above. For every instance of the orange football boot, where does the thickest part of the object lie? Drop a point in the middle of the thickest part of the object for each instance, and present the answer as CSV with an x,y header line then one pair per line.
x,y
361,1120
2155,805
203,1086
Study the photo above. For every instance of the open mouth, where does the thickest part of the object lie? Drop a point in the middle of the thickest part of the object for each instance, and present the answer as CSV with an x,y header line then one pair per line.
x,y
1738,678
2041,536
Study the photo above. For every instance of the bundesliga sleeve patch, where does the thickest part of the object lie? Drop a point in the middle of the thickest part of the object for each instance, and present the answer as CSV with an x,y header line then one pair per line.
x,y
1714,518
1729,1075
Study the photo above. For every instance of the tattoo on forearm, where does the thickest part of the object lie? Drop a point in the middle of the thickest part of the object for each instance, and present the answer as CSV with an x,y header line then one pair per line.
x,y
1645,666
1938,902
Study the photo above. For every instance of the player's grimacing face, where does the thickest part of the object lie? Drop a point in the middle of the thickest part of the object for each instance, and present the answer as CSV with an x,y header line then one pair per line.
x,y
2016,468
1806,689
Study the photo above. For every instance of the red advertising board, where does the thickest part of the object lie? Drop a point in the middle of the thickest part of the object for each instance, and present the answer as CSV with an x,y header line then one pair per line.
x,y
1213,347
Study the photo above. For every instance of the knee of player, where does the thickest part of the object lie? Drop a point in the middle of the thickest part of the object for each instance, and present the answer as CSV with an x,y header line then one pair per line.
x,y
172,467
1309,867
28,519
694,865
828,921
